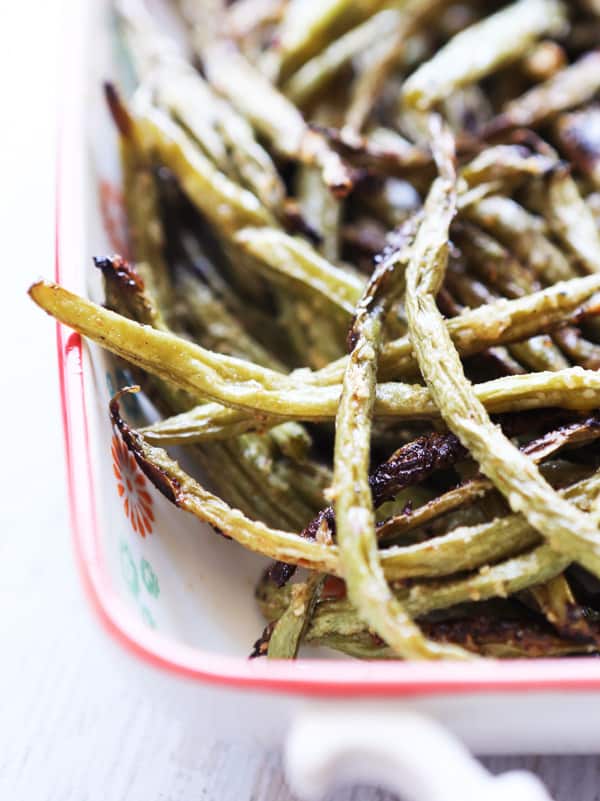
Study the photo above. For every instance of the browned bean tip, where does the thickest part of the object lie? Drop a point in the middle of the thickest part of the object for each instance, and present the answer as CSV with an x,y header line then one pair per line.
x,y
338,176
360,152
117,269
167,485
261,646
119,112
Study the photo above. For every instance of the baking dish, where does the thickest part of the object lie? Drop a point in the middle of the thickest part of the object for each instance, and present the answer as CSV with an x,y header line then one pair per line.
x,y
180,598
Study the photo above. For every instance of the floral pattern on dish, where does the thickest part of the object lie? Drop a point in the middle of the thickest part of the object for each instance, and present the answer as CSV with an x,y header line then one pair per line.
x,y
132,488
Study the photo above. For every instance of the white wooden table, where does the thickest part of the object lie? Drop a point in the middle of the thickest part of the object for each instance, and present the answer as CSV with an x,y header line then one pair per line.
x,y
80,721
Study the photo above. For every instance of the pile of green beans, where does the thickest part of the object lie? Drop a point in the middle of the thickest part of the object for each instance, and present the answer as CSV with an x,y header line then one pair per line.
x,y
363,290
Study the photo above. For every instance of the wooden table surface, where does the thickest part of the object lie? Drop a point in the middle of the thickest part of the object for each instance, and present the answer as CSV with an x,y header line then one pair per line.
x,y
80,721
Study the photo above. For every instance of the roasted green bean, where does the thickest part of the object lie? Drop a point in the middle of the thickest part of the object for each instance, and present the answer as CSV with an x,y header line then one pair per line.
x,y
481,49
352,230
567,530
567,89
240,385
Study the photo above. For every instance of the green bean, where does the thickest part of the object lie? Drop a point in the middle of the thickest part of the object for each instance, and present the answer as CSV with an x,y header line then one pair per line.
x,y
315,329
506,639
273,115
370,81
126,294
272,152
243,17
593,203
580,350
140,191
208,319
505,163
229,288
388,141
241,385
275,501
495,324
361,646
189,495
321,210
228,467
227,205
568,88
315,74
571,220
392,52
299,264
398,525
516,641
309,25
146,232
537,353
274,497
470,547
568,530
382,151
312,482
557,602
204,19
498,267
226,366
493,262
219,129
273,470
361,643
206,422
524,234
289,630
228,477
499,581
355,517
179,90
246,470
147,47
293,441
481,49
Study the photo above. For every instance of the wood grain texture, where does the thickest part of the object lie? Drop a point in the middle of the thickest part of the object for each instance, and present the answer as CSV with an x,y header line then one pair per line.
x,y
79,720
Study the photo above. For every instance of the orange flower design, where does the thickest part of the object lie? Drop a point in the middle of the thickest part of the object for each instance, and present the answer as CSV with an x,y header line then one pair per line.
x,y
114,218
131,486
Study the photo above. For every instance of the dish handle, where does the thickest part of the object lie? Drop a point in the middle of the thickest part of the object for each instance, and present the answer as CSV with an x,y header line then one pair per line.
x,y
395,749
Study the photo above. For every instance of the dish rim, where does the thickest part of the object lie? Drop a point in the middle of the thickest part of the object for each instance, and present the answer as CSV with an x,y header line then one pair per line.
x,y
312,677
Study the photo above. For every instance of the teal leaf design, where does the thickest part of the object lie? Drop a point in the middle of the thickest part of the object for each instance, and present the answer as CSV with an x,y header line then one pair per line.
x,y
129,570
149,578
147,617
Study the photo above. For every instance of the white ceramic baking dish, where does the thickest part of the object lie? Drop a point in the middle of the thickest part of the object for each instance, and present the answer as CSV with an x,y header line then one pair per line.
x,y
180,598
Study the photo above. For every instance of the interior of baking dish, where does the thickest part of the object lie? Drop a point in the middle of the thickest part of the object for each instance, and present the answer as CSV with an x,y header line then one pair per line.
x,y
161,580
